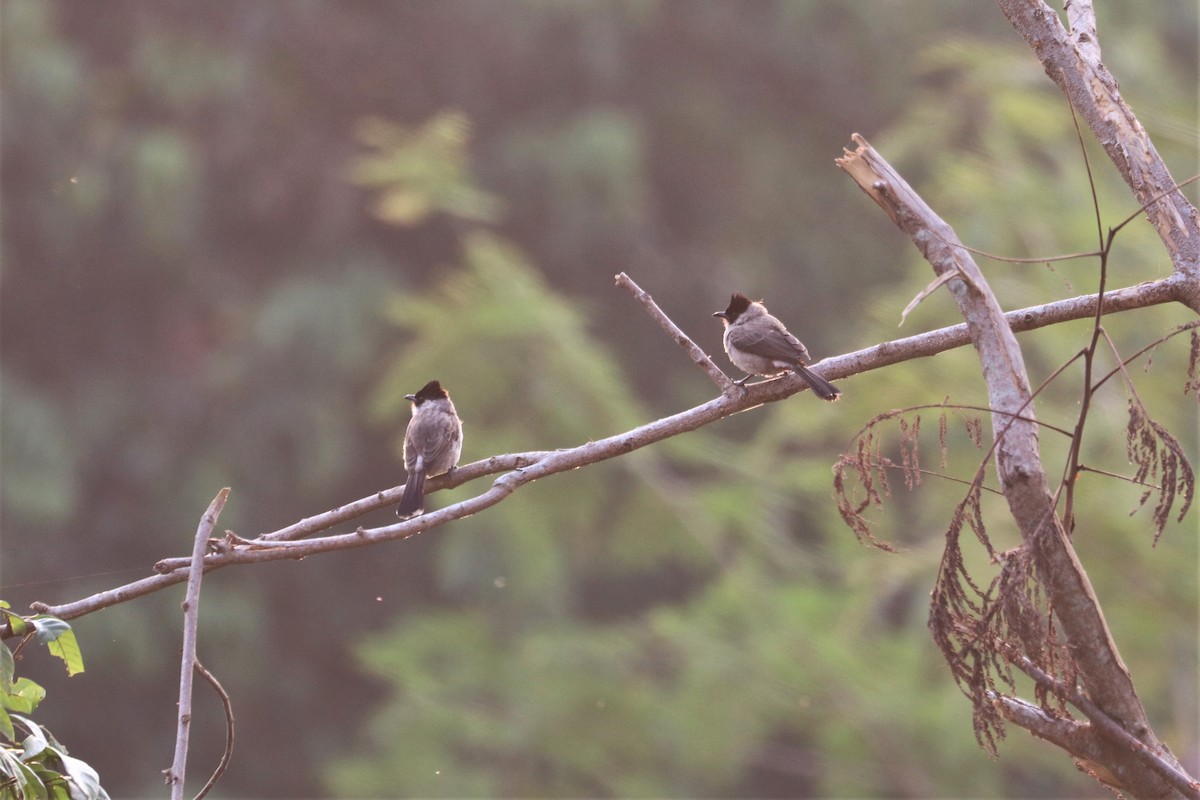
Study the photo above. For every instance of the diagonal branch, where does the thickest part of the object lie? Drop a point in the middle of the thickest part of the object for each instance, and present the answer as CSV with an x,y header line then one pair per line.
x,y
278,545
881,355
1071,735
1160,763
682,339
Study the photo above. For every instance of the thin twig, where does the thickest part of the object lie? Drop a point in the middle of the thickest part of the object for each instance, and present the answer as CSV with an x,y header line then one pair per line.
x,y
1089,357
227,704
1120,369
1120,477
682,339
191,620
1112,347
1154,199
889,464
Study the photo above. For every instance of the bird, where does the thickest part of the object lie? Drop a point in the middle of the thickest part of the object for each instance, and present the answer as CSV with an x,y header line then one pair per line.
x,y
432,444
757,343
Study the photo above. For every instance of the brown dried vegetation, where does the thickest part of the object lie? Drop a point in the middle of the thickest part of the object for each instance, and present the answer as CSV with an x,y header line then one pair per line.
x,y
981,631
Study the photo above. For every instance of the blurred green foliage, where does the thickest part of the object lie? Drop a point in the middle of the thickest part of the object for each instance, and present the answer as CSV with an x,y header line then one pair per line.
x,y
421,172
235,236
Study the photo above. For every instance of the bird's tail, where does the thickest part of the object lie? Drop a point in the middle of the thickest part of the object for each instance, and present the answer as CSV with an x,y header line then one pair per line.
x,y
821,387
413,502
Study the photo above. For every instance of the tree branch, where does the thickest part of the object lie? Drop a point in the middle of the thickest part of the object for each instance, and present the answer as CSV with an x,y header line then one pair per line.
x,y
682,339
1164,766
921,345
191,622
1071,735
1072,60
1018,464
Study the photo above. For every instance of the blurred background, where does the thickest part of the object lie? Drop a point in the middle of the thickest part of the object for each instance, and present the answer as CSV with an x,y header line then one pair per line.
x,y
236,234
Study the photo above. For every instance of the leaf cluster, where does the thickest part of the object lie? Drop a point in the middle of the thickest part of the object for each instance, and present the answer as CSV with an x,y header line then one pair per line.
x,y
33,764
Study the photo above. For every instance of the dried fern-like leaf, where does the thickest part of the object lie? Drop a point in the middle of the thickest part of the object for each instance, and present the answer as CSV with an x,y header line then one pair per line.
x,y
943,430
975,430
1193,369
910,458
1161,464
978,630
861,477
960,617
850,507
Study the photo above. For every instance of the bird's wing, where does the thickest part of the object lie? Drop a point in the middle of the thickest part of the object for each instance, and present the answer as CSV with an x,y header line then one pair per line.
x,y
431,439
769,342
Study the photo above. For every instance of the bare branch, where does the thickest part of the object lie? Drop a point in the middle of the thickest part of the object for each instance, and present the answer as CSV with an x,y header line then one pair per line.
x,y
191,621
1082,18
1071,735
1072,60
682,339
1166,767
921,345
527,468
388,497
1019,466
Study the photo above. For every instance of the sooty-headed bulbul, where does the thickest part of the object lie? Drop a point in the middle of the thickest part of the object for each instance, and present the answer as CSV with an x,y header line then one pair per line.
x,y
432,444
757,343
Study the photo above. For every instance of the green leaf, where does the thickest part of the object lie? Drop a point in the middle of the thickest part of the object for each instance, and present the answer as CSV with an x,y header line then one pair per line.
x,y
51,781
49,628
7,668
19,625
85,779
35,742
14,702
60,641
24,697
67,648
6,726
26,783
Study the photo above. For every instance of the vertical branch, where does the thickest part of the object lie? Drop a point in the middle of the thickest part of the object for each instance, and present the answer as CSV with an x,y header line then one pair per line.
x,y
191,621
1072,60
1018,463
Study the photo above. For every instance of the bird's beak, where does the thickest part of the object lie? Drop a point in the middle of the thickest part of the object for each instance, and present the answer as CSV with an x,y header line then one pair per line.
x,y
720,314
412,397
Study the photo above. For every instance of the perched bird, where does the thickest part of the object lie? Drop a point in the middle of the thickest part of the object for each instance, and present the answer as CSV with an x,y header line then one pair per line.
x,y
432,444
758,344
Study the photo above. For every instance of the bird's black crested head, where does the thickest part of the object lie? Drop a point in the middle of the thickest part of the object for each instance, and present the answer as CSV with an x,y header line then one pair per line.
x,y
430,391
738,304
